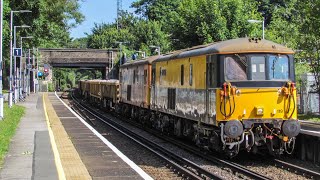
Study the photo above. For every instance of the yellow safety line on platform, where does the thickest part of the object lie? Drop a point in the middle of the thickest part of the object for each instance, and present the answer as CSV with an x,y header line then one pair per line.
x,y
70,165
61,174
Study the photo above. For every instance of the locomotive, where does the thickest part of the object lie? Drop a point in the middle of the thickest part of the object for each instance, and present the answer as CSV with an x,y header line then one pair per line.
x,y
224,96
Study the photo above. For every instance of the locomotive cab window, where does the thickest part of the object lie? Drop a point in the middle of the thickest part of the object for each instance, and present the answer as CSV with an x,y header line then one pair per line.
x,y
256,67
278,67
236,68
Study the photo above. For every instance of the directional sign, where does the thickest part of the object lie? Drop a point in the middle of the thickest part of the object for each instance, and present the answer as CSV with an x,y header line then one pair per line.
x,y
17,52
29,66
40,74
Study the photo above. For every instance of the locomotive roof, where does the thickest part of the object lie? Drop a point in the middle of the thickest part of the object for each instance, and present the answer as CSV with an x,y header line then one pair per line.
x,y
102,81
147,60
233,46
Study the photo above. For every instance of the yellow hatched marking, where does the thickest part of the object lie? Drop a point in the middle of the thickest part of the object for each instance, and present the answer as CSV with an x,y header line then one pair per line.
x,y
68,162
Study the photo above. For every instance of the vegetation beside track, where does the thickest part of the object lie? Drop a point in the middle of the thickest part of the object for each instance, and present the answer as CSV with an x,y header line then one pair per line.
x,y
309,117
8,126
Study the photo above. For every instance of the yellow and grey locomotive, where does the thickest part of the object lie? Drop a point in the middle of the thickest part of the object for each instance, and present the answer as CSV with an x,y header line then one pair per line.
x,y
226,96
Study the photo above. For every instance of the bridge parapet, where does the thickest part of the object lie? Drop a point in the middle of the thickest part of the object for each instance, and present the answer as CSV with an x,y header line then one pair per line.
x,y
78,57
103,60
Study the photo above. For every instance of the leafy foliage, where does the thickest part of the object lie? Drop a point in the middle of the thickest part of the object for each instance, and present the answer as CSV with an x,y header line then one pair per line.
x,y
171,25
48,21
198,22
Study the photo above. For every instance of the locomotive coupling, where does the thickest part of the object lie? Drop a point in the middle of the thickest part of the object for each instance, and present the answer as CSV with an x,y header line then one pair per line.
x,y
291,128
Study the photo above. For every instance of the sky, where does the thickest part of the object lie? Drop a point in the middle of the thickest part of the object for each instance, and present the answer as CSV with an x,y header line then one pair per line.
x,y
98,11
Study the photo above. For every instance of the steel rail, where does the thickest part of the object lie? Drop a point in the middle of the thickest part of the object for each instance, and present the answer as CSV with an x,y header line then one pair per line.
x,y
234,166
298,170
177,163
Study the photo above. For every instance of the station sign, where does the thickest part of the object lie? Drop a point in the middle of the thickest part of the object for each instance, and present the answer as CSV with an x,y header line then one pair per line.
x,y
17,52
29,66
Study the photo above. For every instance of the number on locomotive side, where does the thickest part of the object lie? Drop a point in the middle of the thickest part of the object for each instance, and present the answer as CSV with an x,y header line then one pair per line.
x,y
280,111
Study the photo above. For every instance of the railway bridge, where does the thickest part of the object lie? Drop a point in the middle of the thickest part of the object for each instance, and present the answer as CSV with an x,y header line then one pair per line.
x,y
79,58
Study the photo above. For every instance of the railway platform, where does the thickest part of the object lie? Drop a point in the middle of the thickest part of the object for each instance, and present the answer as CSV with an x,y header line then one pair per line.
x,y
52,142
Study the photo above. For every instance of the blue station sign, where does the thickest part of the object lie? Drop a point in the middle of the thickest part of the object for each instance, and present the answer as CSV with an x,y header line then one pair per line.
x,y
17,52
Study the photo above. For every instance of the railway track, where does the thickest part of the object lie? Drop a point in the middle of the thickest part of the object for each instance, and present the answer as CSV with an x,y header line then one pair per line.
x,y
309,125
195,169
296,169
179,165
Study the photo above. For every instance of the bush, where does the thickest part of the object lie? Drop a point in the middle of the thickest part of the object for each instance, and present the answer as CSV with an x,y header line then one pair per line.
x,y
50,87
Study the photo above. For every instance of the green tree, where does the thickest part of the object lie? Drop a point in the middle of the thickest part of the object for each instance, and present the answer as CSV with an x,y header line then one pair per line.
x,y
309,37
198,22
155,10
48,21
148,33
79,43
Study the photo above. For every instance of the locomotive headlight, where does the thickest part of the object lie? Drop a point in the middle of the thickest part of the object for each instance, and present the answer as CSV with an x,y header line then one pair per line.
x,y
291,128
259,111
233,128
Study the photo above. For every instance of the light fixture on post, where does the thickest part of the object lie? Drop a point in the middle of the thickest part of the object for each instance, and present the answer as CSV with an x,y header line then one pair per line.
x,y
258,21
157,49
120,46
22,84
11,53
16,90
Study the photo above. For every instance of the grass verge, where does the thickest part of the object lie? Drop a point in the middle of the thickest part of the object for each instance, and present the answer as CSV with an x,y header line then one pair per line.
x,y
8,125
309,117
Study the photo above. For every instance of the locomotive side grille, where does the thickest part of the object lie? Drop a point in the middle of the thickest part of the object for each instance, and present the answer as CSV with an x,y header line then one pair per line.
x,y
128,92
171,98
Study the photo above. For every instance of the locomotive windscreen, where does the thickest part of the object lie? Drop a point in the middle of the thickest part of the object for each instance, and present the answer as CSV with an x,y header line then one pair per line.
x,y
259,67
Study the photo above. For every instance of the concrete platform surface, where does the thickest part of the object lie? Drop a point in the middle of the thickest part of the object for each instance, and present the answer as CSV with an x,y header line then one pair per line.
x,y
30,154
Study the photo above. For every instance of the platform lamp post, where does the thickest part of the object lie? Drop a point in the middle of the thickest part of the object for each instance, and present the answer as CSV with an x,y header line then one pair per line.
x,y
29,72
120,46
157,49
11,53
22,88
16,92
258,21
